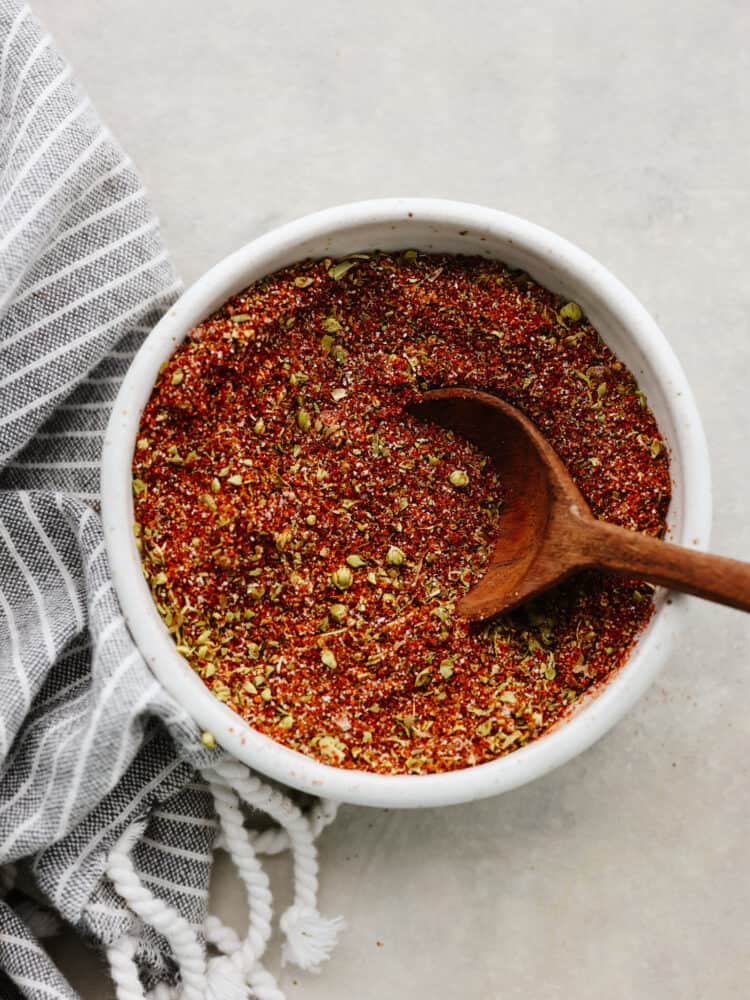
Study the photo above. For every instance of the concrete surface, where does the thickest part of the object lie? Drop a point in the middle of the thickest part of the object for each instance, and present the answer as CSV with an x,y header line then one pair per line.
x,y
625,127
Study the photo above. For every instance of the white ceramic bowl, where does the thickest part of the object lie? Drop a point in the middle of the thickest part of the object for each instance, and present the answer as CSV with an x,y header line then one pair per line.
x,y
441,226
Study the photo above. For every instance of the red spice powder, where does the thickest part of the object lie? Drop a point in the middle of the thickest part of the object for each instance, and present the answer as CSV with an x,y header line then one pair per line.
x,y
306,539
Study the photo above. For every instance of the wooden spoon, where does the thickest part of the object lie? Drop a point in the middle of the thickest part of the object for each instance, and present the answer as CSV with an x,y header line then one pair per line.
x,y
547,531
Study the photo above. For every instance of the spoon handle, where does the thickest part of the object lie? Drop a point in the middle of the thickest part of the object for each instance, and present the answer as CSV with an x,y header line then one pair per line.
x,y
628,553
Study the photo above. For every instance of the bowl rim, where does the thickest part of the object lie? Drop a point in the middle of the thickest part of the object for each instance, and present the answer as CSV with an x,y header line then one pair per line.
x,y
564,741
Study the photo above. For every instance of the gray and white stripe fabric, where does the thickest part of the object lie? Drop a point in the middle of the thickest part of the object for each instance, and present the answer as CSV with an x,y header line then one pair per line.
x,y
89,742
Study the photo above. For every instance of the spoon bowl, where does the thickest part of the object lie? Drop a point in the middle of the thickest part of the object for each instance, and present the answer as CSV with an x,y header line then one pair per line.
x,y
547,530
538,498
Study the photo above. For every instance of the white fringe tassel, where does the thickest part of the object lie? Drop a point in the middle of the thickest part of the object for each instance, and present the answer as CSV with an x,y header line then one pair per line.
x,y
310,938
236,973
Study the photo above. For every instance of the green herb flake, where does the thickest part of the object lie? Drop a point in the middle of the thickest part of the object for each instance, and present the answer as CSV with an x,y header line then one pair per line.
x,y
303,419
221,691
571,312
342,578
328,658
395,556
338,271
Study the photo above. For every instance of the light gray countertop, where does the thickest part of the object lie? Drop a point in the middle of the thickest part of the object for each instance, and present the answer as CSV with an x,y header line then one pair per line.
x,y
625,127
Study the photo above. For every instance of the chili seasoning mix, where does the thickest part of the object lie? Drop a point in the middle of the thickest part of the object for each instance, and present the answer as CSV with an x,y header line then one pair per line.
x,y
306,539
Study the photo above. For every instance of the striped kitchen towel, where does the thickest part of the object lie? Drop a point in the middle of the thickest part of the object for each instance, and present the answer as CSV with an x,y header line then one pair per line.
x,y
110,805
